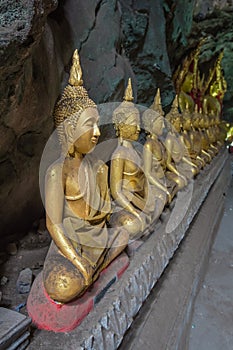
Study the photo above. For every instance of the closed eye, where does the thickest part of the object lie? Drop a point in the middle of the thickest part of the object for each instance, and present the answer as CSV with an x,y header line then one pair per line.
x,y
90,122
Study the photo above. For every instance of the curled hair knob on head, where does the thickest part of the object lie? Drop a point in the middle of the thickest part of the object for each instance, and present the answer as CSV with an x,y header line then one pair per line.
x,y
148,118
76,71
129,92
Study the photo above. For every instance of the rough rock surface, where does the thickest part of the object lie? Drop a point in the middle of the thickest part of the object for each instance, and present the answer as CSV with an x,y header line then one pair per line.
x,y
217,25
116,39
26,105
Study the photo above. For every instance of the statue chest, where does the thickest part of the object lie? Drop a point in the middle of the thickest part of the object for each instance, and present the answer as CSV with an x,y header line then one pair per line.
x,y
177,148
158,151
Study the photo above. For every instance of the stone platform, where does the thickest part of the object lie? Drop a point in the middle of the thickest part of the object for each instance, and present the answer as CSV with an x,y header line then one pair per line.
x,y
51,316
14,330
107,323
165,319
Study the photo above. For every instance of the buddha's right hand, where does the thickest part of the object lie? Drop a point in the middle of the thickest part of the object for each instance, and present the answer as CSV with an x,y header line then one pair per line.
x,y
141,221
85,269
184,179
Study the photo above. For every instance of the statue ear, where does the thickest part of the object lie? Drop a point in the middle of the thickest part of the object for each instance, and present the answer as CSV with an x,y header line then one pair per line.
x,y
120,128
68,131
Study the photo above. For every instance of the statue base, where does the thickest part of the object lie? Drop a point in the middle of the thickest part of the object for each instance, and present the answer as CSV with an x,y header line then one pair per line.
x,y
49,315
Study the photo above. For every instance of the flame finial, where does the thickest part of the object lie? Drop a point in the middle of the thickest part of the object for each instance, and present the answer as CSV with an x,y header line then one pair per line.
x,y
157,106
129,92
76,71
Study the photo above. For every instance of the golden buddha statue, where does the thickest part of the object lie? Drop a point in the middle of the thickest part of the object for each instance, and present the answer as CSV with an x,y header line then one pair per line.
x,y
219,85
178,160
154,154
216,87
213,105
188,82
129,186
199,124
208,123
197,137
173,179
229,138
215,130
203,126
189,139
215,122
77,199
184,95
223,130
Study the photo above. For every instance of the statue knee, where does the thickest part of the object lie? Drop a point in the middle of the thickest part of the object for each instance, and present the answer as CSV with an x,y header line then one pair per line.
x,y
181,183
195,171
63,286
131,224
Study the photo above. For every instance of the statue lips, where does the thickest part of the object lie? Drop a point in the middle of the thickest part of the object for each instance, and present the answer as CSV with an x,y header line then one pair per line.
x,y
94,139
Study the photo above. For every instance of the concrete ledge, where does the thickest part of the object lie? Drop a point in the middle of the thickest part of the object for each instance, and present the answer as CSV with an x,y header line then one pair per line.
x,y
48,315
14,329
164,320
105,326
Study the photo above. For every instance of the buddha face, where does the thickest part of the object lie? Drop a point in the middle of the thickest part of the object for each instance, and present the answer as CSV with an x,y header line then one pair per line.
x,y
176,122
86,133
157,126
130,129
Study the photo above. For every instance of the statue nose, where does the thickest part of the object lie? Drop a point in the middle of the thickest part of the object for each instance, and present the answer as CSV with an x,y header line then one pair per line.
x,y
96,131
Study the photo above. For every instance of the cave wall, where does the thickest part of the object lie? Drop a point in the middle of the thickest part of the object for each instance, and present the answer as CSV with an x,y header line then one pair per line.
x,y
26,103
214,20
142,39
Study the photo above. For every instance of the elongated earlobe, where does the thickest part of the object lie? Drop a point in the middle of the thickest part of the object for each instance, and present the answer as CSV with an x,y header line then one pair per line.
x,y
69,136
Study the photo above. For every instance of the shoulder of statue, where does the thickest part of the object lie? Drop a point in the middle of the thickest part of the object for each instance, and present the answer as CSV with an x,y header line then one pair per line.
x,y
149,144
101,167
55,170
119,152
169,138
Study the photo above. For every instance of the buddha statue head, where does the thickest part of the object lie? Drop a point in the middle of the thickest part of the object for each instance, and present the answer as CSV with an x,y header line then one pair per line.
x,y
76,115
153,122
126,117
174,116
